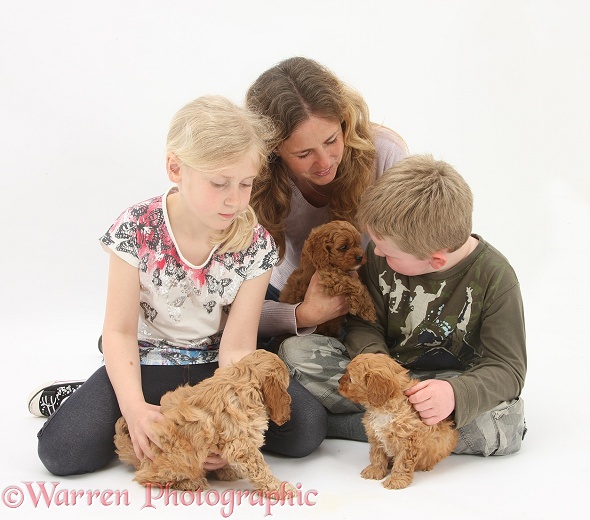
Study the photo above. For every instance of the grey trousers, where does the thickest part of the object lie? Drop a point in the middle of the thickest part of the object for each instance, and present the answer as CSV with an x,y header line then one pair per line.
x,y
318,363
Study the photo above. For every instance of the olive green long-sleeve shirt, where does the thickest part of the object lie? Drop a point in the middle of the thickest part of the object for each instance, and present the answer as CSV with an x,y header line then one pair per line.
x,y
468,319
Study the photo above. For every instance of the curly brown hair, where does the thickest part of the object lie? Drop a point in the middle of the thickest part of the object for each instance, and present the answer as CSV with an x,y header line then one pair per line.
x,y
290,93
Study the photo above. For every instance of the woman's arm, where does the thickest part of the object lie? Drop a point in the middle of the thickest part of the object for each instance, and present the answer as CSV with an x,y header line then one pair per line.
x,y
121,353
302,318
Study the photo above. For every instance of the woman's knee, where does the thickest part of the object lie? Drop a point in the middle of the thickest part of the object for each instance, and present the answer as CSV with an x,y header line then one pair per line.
x,y
306,429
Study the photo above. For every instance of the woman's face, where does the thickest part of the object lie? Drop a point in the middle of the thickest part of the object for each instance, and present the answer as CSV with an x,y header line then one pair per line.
x,y
314,150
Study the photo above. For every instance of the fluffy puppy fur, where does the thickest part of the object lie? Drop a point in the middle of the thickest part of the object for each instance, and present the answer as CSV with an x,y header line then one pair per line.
x,y
228,414
394,429
333,250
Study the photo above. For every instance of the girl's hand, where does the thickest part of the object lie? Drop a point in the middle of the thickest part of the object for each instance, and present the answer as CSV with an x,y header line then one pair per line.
x,y
433,399
139,421
318,307
213,462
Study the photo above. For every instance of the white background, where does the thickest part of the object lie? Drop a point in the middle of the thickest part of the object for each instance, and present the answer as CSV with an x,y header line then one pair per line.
x,y
497,88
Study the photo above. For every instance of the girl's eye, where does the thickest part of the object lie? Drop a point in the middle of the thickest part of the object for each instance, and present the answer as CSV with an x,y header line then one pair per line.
x,y
217,185
332,141
303,156
244,185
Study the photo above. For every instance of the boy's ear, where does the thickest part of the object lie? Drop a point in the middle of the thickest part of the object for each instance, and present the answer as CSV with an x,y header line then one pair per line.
x,y
438,260
173,167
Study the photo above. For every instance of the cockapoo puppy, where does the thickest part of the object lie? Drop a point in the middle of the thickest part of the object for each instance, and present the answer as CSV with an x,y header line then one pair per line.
x,y
227,414
394,429
334,250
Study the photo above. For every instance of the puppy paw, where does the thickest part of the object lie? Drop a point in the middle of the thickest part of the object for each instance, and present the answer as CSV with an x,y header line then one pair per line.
x,y
190,484
365,311
398,481
227,473
374,472
284,490
369,315
278,491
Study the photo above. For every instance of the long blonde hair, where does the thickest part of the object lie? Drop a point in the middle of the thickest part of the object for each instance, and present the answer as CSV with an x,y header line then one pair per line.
x,y
289,93
212,133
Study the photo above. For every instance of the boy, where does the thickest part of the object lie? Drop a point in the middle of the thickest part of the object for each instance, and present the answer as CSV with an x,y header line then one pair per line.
x,y
449,309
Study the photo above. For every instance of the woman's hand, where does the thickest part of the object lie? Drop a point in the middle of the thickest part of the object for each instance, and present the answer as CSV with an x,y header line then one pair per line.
x,y
318,306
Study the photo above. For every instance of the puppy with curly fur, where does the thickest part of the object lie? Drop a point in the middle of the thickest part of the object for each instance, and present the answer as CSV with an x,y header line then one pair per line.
x,y
227,414
334,250
394,429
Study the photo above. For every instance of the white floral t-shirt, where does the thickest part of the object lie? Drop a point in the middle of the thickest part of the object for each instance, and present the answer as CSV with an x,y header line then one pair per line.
x,y
183,307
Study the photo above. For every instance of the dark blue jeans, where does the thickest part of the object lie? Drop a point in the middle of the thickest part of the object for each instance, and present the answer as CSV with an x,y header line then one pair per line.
x,y
78,437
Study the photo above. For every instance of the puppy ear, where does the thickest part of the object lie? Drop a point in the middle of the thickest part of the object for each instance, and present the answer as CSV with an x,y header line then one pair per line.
x,y
316,248
379,389
277,399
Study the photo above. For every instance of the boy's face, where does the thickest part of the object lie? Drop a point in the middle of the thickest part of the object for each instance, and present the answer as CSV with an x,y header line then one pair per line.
x,y
398,260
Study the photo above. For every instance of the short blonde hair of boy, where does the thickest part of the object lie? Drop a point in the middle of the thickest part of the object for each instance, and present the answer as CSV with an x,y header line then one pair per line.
x,y
422,204
211,134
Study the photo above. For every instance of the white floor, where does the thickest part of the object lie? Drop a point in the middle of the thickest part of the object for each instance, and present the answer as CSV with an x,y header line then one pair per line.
x,y
499,89
546,480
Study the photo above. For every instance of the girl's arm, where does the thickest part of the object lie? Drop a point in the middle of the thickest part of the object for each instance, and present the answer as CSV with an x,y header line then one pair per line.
x,y
241,329
121,353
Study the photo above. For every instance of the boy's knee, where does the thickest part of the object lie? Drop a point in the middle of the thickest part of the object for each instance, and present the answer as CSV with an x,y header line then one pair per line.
x,y
312,350
497,432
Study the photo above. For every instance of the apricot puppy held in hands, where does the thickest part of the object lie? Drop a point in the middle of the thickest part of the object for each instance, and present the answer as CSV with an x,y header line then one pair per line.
x,y
332,252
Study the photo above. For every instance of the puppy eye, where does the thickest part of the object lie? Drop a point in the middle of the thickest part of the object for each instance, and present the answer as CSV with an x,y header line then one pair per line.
x,y
344,247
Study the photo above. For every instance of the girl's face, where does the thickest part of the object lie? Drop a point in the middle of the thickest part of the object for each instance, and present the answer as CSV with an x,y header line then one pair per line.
x,y
214,199
314,150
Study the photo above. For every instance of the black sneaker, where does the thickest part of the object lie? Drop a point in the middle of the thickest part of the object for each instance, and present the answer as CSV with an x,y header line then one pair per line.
x,y
43,401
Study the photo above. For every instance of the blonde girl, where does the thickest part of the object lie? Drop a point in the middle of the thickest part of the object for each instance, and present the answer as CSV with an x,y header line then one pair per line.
x,y
187,276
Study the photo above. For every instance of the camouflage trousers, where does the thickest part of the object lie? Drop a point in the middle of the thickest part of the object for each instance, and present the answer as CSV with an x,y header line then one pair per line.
x,y
318,363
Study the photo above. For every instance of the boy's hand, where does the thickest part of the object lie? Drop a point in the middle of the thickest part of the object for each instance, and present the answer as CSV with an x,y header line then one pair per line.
x,y
433,399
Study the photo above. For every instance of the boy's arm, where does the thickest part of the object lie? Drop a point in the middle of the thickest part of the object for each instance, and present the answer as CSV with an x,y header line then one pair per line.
x,y
362,336
499,375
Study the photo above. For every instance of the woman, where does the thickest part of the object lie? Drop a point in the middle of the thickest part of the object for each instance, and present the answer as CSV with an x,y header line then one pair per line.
x,y
325,153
